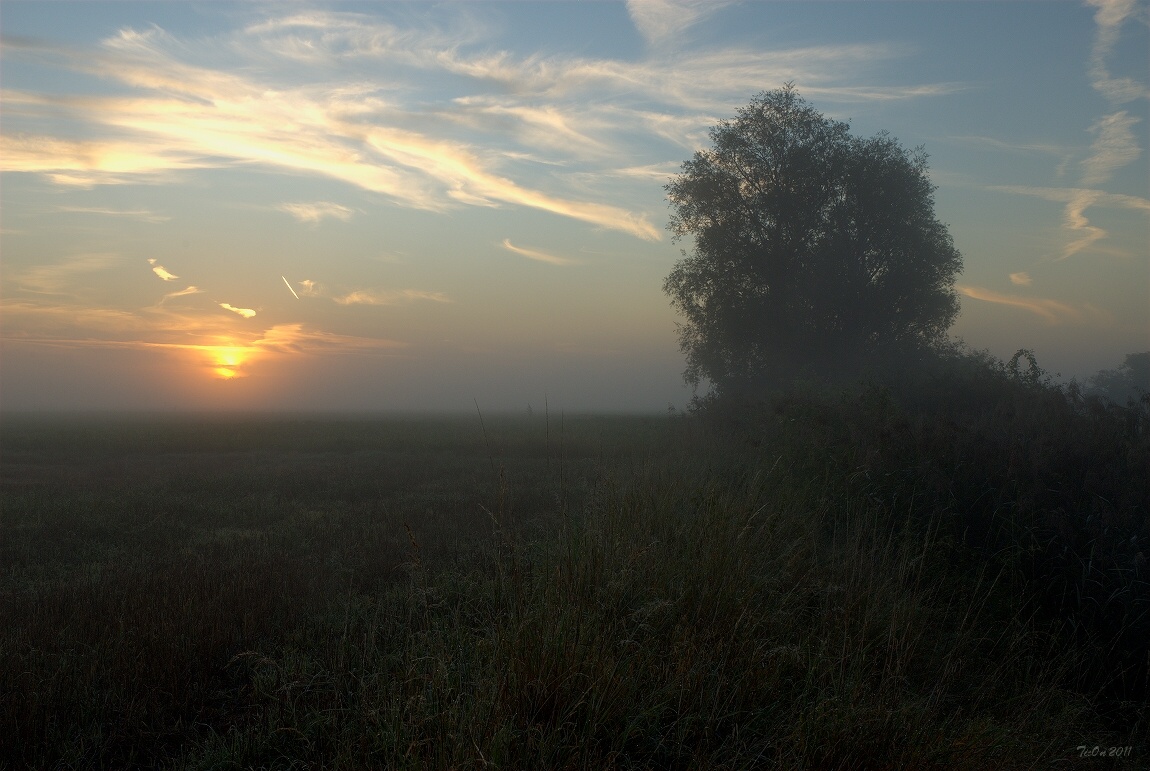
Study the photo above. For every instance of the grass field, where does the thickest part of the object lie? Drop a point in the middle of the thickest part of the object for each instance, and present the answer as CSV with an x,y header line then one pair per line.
x,y
532,591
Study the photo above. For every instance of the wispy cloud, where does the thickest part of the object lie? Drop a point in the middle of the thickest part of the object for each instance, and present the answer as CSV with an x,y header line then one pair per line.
x,y
1074,220
419,294
339,132
1021,279
295,338
87,163
469,182
349,124
316,37
389,297
707,82
547,126
1083,234
231,356
181,293
1109,18
1069,194
314,212
234,358
1114,146
998,144
309,288
61,277
78,325
1051,311
140,214
658,20
655,172
22,316
535,254
362,297
247,313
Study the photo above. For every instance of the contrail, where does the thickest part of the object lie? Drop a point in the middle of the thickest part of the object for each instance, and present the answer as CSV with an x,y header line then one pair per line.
x,y
289,288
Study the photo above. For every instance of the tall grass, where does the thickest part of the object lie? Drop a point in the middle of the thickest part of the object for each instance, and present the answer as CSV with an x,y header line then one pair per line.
x,y
672,624
656,595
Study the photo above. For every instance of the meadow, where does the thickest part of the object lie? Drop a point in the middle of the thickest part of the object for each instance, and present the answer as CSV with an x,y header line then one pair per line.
x,y
830,580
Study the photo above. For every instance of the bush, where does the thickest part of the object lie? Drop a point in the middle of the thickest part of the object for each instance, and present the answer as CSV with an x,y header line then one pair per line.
x,y
1044,481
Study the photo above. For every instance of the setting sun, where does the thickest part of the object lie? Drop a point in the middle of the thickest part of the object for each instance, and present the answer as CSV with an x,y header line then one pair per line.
x,y
227,360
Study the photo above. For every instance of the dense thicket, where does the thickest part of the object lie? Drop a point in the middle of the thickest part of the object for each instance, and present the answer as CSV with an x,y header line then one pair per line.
x,y
1046,482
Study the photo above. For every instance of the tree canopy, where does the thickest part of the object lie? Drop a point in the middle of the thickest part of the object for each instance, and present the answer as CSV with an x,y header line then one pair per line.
x,y
813,248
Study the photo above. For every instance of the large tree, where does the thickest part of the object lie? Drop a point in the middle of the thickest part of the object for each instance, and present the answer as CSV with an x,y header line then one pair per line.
x,y
813,249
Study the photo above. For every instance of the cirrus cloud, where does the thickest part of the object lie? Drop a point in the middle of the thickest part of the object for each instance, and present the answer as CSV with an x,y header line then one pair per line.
x,y
389,297
659,20
1109,18
538,256
1077,200
1114,146
186,110
314,212
1053,312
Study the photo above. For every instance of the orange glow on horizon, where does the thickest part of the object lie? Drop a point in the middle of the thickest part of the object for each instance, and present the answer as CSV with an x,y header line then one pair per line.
x,y
227,361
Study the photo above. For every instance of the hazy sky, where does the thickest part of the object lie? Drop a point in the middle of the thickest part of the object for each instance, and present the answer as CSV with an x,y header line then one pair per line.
x,y
418,205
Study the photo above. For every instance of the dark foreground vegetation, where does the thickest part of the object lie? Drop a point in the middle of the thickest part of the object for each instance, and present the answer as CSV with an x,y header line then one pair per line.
x,y
949,573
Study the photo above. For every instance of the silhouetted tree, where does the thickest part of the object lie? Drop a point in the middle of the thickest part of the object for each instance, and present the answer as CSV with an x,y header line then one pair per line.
x,y
813,249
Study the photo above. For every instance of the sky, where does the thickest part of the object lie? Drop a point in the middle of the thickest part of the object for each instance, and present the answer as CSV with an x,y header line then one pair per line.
x,y
428,206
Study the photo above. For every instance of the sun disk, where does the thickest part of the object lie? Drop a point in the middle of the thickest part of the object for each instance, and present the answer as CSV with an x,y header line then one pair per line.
x,y
227,360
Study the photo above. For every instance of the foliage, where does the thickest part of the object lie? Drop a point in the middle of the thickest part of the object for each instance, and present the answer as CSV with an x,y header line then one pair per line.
x,y
1043,481
813,249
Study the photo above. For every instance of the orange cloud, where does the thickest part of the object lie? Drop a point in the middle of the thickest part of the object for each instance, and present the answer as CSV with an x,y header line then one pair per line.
x,y
1077,201
362,297
374,297
1052,311
313,130
247,313
293,338
181,293
179,115
86,163
533,254
223,354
